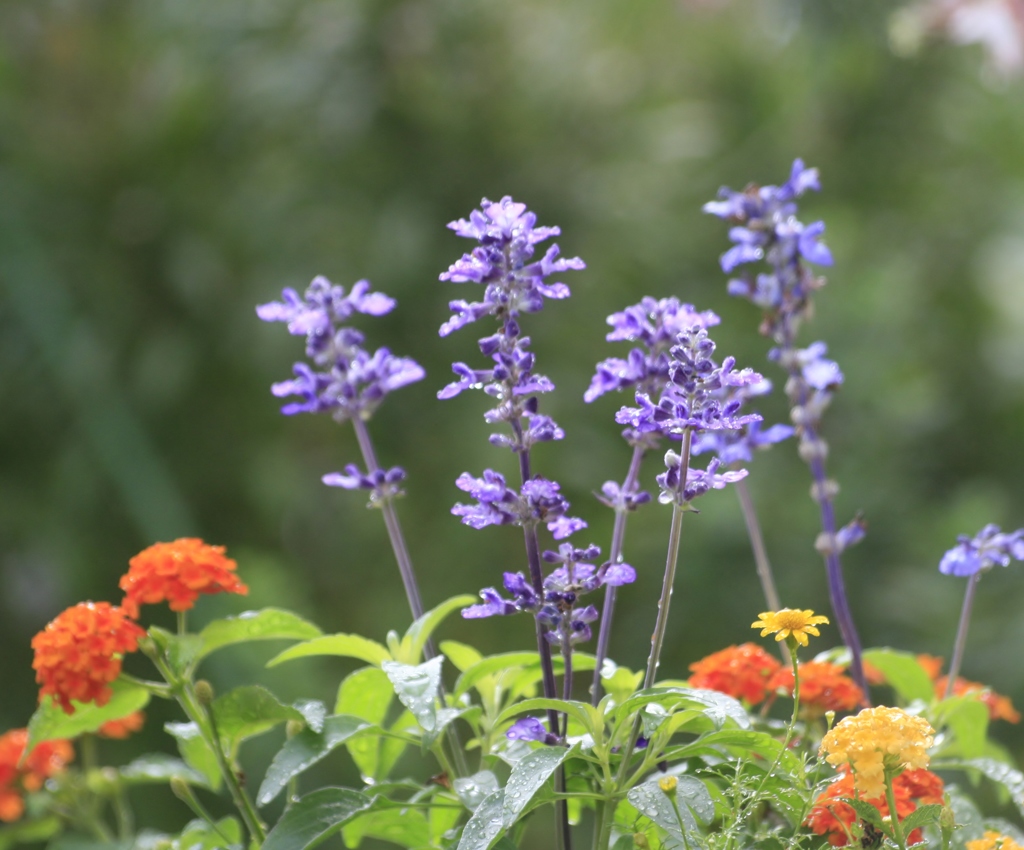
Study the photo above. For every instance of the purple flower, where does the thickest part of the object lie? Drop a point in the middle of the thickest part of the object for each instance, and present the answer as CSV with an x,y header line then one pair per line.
x,y
347,380
507,235
530,729
698,481
618,499
987,548
539,501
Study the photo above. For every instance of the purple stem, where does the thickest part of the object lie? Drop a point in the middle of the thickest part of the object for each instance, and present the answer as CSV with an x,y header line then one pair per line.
x,y
764,566
412,591
614,556
961,633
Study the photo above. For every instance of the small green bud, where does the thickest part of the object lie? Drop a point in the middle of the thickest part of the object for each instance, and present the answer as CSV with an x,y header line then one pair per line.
x,y
640,840
204,692
180,789
293,727
668,785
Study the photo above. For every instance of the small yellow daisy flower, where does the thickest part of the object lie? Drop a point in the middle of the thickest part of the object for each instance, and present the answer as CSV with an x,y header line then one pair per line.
x,y
993,841
876,742
789,621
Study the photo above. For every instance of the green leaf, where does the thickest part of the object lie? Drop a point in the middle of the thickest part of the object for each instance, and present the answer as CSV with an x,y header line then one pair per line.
x,y
401,826
247,711
225,834
181,651
1009,777
391,749
574,709
486,825
266,624
504,664
718,707
159,767
528,776
462,655
313,818
524,682
903,672
421,630
619,682
967,717
306,749
692,801
196,752
869,812
473,790
416,688
365,693
29,831
921,816
50,721
347,646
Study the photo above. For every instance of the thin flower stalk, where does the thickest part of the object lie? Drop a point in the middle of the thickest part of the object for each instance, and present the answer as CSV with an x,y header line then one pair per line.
x,y
764,566
960,643
604,635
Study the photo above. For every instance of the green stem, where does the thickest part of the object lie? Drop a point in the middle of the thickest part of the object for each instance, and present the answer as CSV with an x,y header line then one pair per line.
x,y
182,623
603,828
961,633
894,818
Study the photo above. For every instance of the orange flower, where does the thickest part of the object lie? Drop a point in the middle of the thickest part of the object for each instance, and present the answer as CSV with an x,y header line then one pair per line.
x,y
739,671
79,653
932,665
177,573
823,687
46,760
834,818
999,706
122,727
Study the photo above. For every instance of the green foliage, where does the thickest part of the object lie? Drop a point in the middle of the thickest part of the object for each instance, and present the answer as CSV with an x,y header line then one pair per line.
x,y
314,817
50,721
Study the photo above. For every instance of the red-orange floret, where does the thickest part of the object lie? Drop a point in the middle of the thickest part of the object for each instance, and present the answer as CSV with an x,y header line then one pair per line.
x,y
834,819
823,687
122,727
177,573
742,672
999,707
79,653
46,760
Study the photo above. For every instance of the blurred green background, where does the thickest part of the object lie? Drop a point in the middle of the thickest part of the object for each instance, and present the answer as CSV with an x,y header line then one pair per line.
x,y
167,165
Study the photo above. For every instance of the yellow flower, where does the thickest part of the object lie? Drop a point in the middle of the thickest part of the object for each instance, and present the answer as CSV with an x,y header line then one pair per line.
x,y
789,621
875,742
992,840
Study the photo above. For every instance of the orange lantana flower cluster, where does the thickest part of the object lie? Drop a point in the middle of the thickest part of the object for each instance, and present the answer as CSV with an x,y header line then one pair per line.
x,y
742,672
177,573
122,727
835,819
79,653
823,687
44,761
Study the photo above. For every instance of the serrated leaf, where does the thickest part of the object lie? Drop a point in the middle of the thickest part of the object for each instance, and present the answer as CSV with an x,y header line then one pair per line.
x,y
416,688
306,749
50,721
421,630
1009,777
365,693
196,752
692,801
903,672
346,646
443,717
921,816
159,767
524,682
247,711
528,776
313,818
499,665
486,825
404,827
265,624
869,812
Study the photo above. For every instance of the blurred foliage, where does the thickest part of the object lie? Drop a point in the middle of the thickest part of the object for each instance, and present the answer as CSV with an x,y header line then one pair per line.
x,y
167,165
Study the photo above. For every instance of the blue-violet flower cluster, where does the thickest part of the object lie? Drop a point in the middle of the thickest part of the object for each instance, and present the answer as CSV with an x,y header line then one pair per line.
x,y
986,549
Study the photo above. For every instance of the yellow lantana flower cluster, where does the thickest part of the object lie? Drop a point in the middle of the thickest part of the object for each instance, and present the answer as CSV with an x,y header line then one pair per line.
x,y
875,742
992,840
